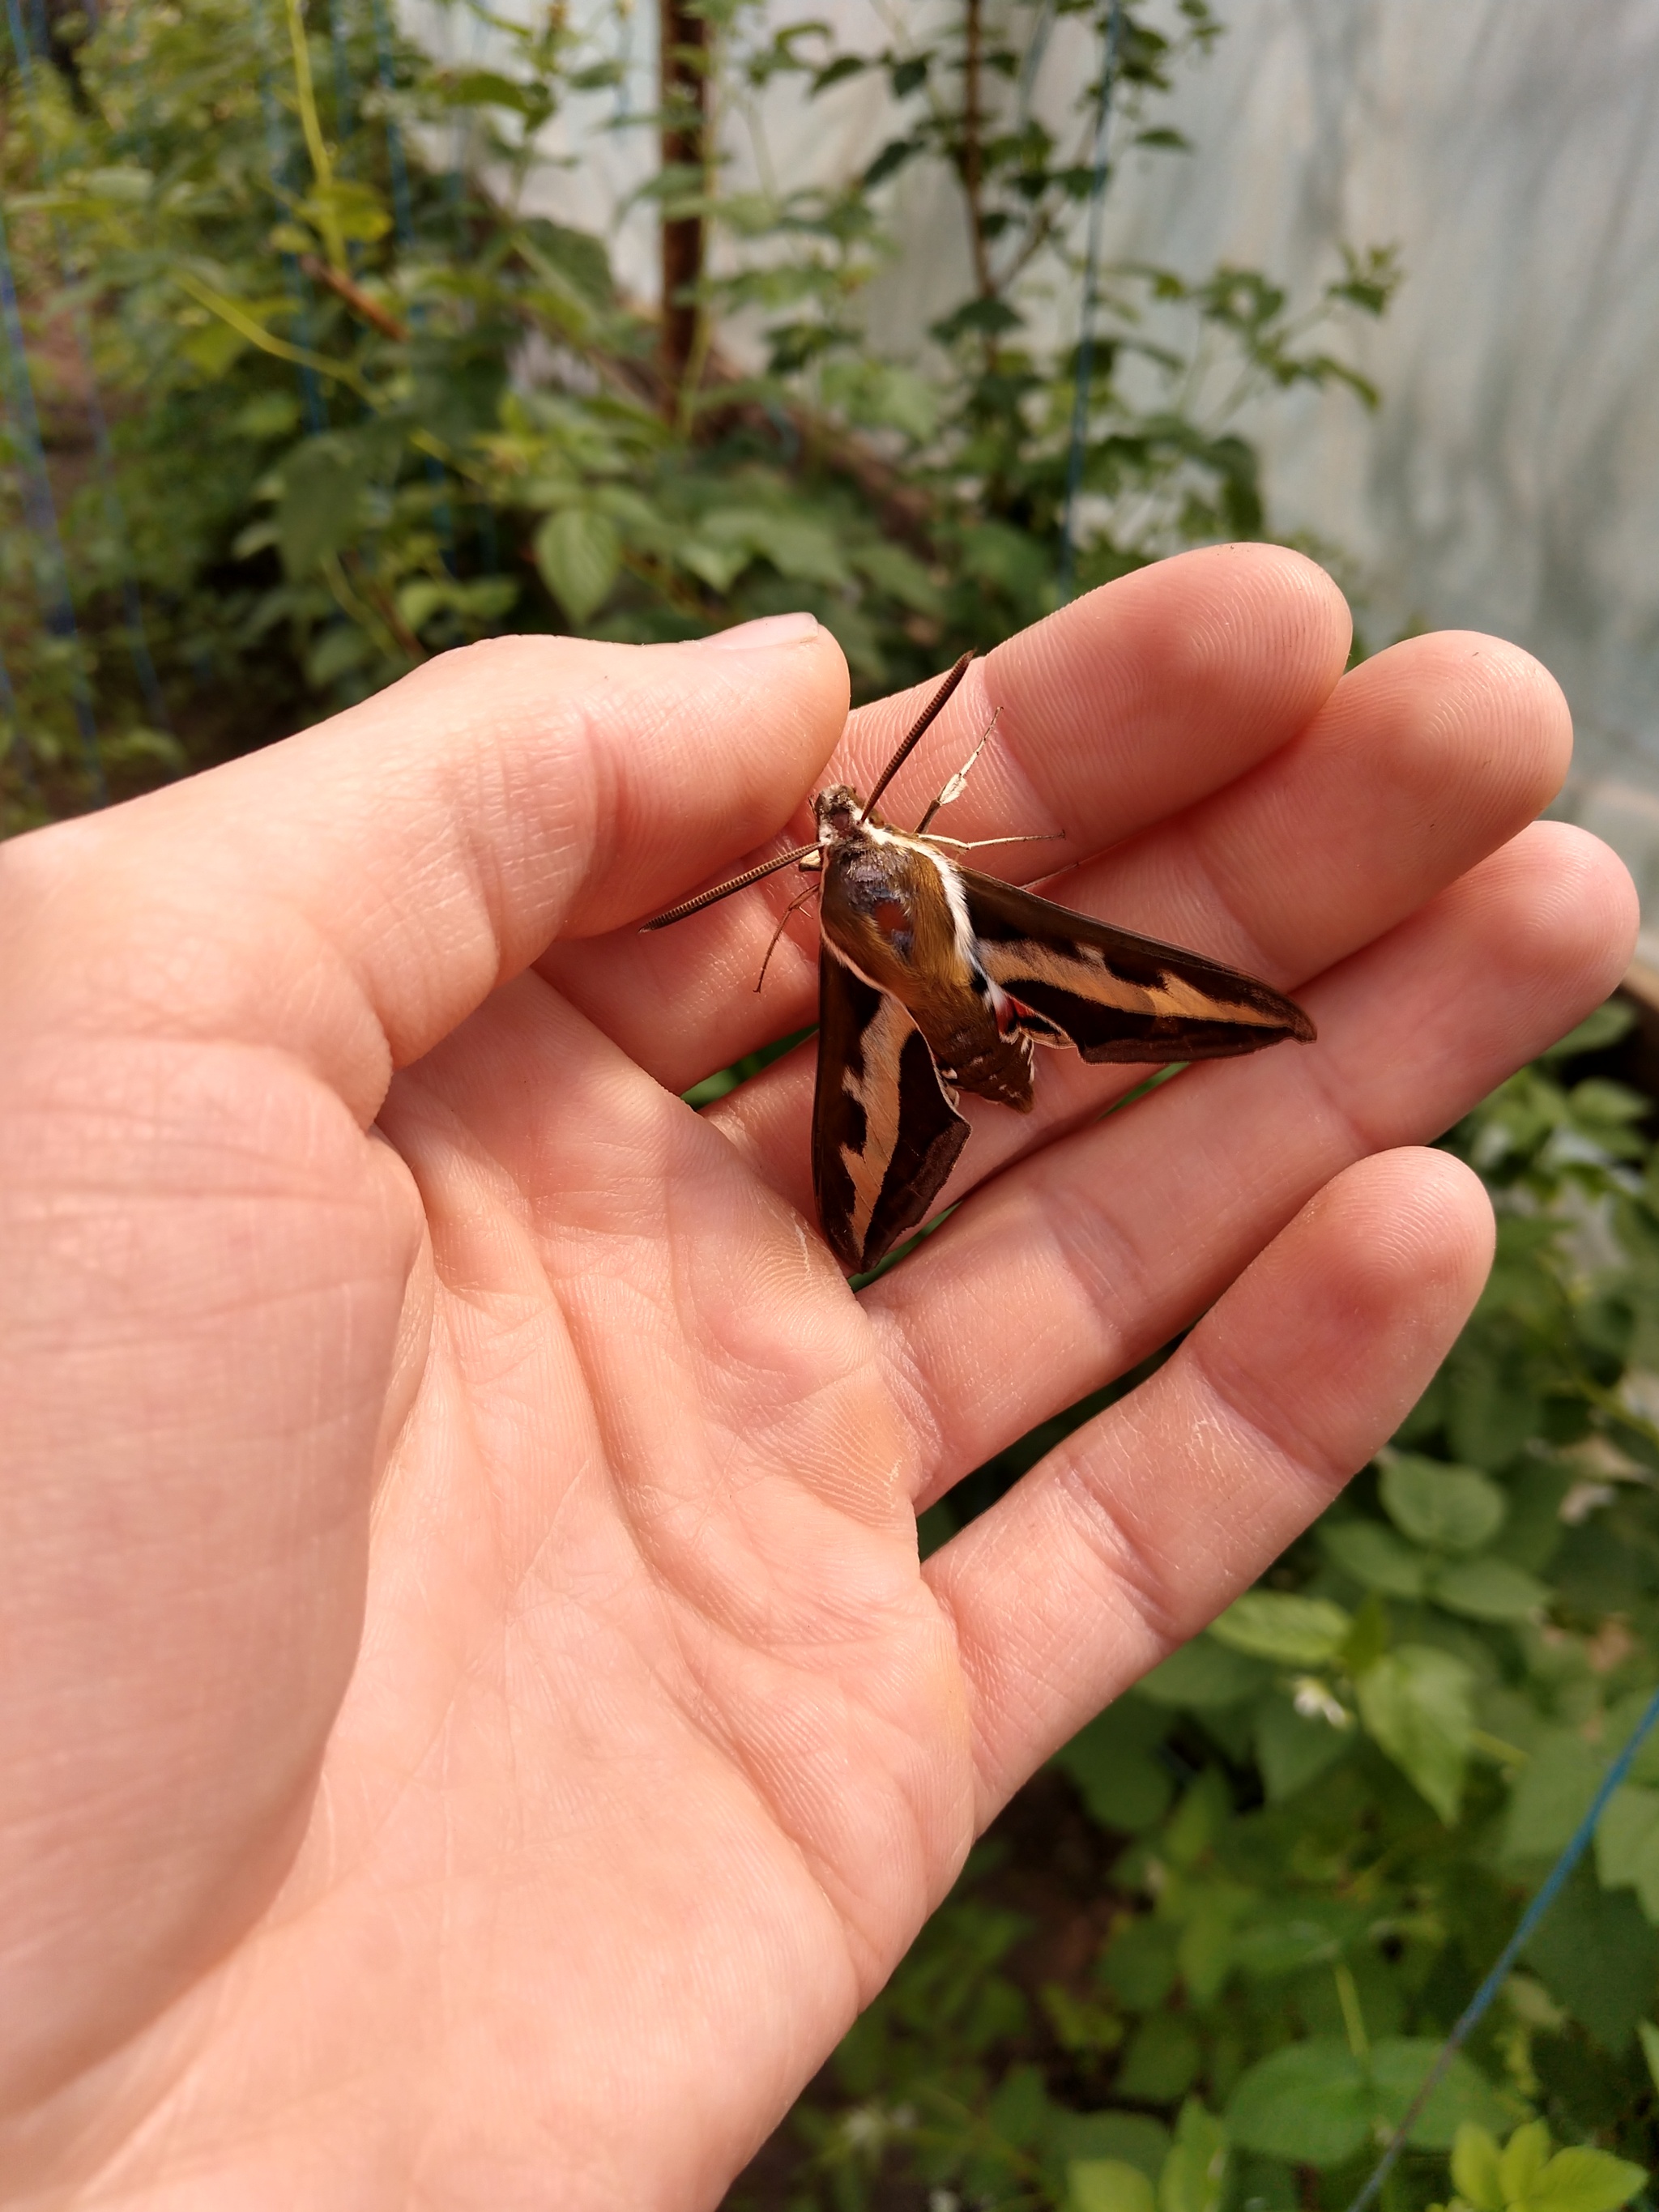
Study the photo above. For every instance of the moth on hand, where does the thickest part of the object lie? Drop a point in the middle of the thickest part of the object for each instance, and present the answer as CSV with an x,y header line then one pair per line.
x,y
934,980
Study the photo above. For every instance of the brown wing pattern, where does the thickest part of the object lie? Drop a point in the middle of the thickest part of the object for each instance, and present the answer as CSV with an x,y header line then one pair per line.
x,y
885,1134
1116,996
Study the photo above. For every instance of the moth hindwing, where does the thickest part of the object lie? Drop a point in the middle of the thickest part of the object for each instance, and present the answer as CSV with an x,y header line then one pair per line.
x,y
934,980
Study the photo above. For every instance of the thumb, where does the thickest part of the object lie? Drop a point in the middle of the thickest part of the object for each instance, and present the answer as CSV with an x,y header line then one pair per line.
x,y
352,893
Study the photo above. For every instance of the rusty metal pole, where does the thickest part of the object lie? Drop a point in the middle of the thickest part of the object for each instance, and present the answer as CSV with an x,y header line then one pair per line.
x,y
684,76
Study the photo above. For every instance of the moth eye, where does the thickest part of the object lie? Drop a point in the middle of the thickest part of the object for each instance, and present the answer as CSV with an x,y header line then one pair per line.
x,y
889,914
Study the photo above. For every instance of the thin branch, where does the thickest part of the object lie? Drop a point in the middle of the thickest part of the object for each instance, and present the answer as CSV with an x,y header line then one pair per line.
x,y
355,297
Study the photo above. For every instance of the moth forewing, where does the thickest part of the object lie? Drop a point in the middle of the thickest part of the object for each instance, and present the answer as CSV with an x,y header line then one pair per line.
x,y
1115,996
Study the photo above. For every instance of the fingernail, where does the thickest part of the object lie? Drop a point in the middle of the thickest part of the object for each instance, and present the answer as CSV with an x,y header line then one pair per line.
x,y
766,631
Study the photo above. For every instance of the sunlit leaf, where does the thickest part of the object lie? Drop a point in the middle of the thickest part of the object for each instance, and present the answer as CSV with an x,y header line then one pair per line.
x,y
1107,2184
1449,1509
1295,1632
1417,1704
579,553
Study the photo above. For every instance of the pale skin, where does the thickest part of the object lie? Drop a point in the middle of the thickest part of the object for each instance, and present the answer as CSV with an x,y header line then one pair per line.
x,y
474,1727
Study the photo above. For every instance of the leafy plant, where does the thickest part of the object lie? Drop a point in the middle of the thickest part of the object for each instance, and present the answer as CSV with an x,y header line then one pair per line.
x,y
362,407
1297,1846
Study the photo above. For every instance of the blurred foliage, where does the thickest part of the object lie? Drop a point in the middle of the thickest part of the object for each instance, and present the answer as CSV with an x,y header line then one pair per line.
x,y
360,404
1299,1843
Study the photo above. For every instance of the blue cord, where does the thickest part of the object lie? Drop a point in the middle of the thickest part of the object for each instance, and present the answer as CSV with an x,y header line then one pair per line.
x,y
1478,2004
1085,347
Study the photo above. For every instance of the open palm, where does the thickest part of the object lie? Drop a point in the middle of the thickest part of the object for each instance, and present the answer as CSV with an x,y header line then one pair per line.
x,y
475,1726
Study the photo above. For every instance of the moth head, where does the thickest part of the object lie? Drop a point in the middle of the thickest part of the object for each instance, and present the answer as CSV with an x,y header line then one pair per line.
x,y
840,811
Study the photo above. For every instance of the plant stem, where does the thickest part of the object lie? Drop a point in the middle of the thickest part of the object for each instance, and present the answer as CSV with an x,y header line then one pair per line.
x,y
682,76
972,149
702,331
322,169
255,332
1353,2020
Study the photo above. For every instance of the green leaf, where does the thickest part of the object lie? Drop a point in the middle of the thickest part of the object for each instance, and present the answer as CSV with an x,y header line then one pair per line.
x,y
575,260
1375,1556
1579,2179
1489,1589
1650,2035
579,553
1112,1761
1369,1638
1399,2066
1107,2184
268,414
717,565
1295,1632
336,652
1550,1797
795,545
1597,1955
1627,1845
1202,1674
883,395
1134,2138
323,480
1162,2061
1205,1953
1139,1965
1594,1033
1307,2102
1293,1749
893,157
125,185
1449,1509
1474,2168
901,576
1285,1936
139,747
1198,1821
1417,1704
1524,2157
214,348
356,210
982,317
1194,2174
844,65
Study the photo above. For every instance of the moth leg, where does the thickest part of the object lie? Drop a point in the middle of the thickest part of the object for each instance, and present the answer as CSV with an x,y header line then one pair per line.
x,y
791,909
958,783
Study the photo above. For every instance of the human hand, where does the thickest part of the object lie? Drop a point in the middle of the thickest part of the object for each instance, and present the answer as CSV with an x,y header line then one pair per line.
x,y
475,1726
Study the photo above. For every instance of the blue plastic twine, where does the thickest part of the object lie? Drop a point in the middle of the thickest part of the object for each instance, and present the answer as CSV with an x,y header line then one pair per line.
x,y
1578,1845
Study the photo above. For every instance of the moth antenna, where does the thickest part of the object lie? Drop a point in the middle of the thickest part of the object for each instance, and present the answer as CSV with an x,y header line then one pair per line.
x,y
955,785
794,907
724,890
978,844
919,728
